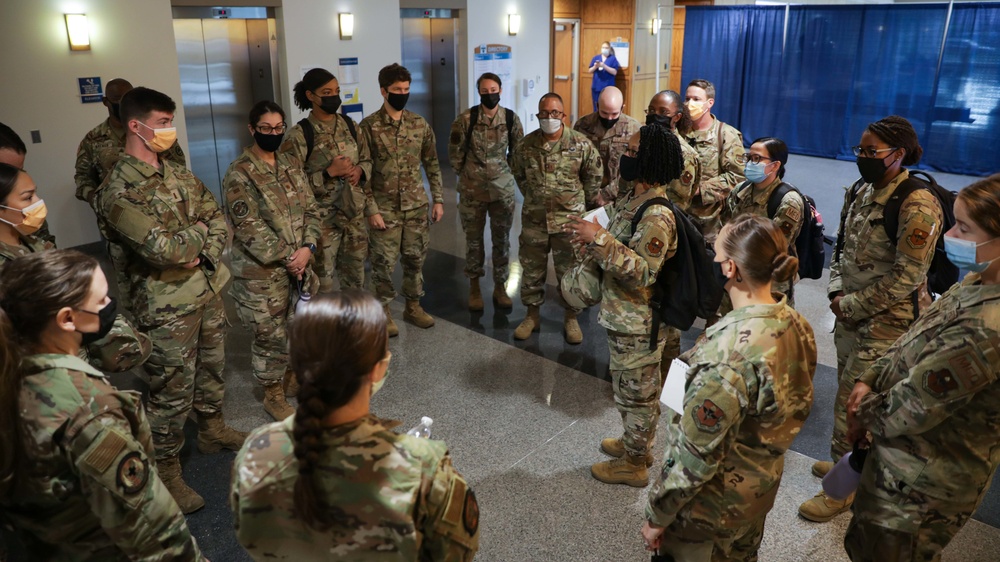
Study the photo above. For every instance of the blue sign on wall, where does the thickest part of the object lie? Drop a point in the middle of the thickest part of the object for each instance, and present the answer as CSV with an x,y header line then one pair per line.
x,y
90,89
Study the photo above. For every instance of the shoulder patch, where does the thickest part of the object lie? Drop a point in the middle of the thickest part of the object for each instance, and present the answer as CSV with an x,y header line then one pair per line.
x,y
687,177
707,416
106,452
918,238
470,514
241,209
654,247
133,472
793,213
940,382
126,218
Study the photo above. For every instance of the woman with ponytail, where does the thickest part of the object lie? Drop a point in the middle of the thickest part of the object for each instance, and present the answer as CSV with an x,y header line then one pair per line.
x,y
748,392
333,481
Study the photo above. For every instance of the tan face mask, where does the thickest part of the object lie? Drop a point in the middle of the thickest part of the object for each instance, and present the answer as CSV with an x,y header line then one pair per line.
x,y
163,138
34,217
696,109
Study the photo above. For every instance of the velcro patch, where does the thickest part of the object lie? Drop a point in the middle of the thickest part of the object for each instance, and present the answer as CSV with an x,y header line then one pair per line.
x,y
456,502
940,383
133,472
793,214
241,209
128,220
707,416
111,445
470,514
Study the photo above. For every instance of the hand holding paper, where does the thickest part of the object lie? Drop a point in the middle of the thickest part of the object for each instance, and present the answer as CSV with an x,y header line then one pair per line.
x,y
673,388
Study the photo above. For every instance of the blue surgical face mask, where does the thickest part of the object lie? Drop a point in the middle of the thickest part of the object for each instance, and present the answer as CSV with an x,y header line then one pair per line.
x,y
962,253
755,171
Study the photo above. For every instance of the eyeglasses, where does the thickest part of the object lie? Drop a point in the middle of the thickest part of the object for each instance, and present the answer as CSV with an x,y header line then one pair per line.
x,y
755,158
660,112
870,152
267,129
551,115
631,152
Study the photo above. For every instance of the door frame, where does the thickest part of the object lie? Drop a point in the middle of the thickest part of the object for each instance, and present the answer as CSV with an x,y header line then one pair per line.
x,y
575,75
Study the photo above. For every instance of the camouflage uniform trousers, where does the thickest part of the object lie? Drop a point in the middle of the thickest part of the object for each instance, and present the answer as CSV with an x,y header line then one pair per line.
x,y
534,246
473,214
636,382
671,349
406,237
343,246
687,541
263,306
894,523
185,369
854,355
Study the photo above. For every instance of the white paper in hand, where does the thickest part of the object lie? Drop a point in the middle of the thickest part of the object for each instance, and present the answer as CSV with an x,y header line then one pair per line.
x,y
673,388
602,217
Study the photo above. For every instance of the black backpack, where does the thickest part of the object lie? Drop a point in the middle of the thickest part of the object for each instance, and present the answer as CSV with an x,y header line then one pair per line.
x,y
474,118
810,245
310,134
686,287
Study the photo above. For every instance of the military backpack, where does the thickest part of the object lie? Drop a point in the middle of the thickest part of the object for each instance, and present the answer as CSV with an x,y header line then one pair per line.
x,y
810,244
474,118
309,134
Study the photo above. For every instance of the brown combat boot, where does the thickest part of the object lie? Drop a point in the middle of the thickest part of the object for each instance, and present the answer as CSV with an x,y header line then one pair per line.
x,y
823,508
214,435
475,295
390,326
820,468
275,403
613,446
627,470
531,323
500,298
572,328
170,473
291,384
415,315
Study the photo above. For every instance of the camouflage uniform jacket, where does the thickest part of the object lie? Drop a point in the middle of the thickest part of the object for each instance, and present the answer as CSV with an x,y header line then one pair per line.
x,y
153,214
92,492
123,348
397,497
749,391
720,173
877,278
680,190
558,179
611,144
933,406
273,213
331,139
631,262
98,153
484,170
398,148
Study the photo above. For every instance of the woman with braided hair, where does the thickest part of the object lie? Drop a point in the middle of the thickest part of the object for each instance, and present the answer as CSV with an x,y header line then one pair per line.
x,y
332,481
630,261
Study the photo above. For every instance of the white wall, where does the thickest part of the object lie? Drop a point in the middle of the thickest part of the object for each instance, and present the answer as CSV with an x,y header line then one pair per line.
x,y
132,39
486,22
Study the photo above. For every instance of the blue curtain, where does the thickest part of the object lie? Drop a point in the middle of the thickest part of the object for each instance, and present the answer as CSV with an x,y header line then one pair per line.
x,y
759,115
716,53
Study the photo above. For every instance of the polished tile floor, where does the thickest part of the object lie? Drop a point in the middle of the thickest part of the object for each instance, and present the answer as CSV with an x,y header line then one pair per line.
x,y
523,420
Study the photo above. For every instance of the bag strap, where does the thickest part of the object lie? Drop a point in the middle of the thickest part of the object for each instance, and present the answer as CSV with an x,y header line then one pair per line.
x,y
852,195
657,299
890,217
309,134
510,130
718,139
473,119
350,127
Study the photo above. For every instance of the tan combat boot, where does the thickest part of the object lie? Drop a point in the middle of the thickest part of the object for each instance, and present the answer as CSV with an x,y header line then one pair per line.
x,y
820,468
214,435
390,326
187,499
531,323
475,295
626,470
415,315
572,328
613,446
500,298
275,403
823,508
291,384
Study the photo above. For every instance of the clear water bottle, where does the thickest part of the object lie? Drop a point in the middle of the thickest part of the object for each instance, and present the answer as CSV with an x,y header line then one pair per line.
x,y
304,297
844,477
422,430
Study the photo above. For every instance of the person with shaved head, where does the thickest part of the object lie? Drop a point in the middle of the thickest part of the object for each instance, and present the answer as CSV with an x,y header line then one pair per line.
x,y
609,128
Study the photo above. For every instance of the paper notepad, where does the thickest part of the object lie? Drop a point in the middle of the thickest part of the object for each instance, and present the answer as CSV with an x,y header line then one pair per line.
x,y
673,388
600,214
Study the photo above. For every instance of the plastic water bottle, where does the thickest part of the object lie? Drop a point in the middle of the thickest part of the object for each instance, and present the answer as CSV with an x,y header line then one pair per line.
x,y
422,430
304,297
844,477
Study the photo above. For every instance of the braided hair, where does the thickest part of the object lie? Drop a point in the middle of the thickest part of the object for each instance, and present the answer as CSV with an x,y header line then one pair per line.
x,y
315,78
898,131
660,158
333,345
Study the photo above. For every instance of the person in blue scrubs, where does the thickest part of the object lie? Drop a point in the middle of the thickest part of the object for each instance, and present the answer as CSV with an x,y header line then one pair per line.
x,y
604,67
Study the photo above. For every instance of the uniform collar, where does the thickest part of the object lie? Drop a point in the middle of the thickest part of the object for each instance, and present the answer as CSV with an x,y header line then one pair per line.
x,y
971,291
760,198
280,161
41,362
741,315
384,116
632,202
145,169
118,135
881,196
322,125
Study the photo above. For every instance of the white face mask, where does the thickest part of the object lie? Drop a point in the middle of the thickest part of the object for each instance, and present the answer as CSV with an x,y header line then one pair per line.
x,y
605,52
550,126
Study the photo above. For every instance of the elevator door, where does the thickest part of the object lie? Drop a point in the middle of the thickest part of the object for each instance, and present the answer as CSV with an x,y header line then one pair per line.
x,y
429,54
225,67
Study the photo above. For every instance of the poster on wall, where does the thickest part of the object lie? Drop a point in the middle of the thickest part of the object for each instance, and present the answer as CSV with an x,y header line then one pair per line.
x,y
90,89
621,52
498,60
350,80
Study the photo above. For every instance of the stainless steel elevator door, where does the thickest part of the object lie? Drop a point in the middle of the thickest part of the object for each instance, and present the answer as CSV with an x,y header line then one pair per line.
x,y
429,54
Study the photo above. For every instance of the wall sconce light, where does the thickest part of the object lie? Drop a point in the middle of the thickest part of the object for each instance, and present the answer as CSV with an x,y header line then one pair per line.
x,y
346,25
513,24
654,26
76,29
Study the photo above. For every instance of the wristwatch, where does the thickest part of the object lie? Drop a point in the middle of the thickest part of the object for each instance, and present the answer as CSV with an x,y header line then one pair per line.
x,y
311,246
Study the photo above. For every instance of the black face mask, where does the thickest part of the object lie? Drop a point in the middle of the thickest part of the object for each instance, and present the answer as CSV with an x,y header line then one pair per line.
x,y
608,123
397,101
628,168
720,277
115,110
489,100
268,143
667,122
872,169
330,104
105,320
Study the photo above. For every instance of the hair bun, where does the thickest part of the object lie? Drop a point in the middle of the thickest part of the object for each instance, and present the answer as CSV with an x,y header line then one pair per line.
x,y
784,266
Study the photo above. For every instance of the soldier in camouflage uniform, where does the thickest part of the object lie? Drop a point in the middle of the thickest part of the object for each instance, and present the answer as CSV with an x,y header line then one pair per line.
x,y
876,288
486,186
333,481
719,148
337,165
174,234
610,129
631,262
79,481
276,227
97,154
749,391
399,227
559,172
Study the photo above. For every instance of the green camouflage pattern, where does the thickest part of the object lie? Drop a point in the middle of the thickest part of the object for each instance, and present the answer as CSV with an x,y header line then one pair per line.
x,y
636,382
933,417
720,173
878,281
611,144
680,190
92,492
749,391
686,540
406,238
397,497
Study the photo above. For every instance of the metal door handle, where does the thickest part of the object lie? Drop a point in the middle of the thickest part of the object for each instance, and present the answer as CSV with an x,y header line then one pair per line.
x,y
562,76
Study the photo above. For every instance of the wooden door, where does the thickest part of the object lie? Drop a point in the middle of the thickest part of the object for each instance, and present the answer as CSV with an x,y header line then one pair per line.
x,y
562,64
677,50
